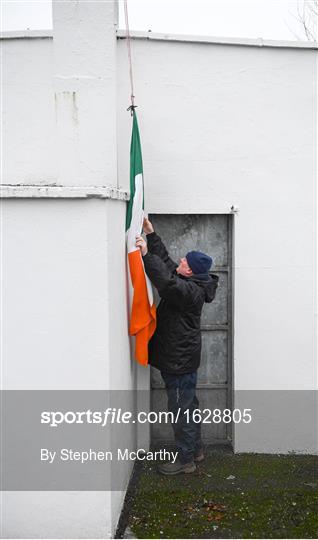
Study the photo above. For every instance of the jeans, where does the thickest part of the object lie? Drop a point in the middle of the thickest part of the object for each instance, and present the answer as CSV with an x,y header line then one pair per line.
x,y
181,394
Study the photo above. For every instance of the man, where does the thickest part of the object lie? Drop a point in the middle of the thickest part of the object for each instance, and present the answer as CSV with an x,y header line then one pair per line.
x,y
175,348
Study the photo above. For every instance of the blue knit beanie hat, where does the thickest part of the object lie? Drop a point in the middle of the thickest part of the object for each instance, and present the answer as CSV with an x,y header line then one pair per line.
x,y
199,262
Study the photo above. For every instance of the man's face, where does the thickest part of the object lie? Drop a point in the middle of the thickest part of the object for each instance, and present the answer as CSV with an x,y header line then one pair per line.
x,y
184,268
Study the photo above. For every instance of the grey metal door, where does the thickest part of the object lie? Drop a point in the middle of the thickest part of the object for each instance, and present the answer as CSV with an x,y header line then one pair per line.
x,y
211,234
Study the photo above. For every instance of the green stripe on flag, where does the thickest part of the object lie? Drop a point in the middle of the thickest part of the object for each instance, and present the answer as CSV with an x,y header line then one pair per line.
x,y
135,167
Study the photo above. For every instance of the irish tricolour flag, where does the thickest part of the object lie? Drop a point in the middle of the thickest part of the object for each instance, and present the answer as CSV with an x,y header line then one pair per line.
x,y
142,307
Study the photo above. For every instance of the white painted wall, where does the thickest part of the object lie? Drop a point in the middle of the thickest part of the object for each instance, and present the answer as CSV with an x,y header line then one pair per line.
x,y
54,266
28,112
220,125
56,514
232,125
85,91
227,125
64,327
65,310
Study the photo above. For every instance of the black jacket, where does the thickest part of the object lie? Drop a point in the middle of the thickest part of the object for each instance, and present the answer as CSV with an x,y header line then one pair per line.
x,y
176,344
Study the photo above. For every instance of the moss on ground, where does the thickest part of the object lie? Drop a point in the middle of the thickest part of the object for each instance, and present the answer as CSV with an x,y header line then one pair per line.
x,y
271,496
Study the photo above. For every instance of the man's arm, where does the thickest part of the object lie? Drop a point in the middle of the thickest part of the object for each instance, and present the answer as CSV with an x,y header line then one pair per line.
x,y
156,245
173,289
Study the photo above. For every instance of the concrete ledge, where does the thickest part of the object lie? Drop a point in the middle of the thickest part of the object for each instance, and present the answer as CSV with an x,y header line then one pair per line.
x,y
22,34
182,38
62,192
247,42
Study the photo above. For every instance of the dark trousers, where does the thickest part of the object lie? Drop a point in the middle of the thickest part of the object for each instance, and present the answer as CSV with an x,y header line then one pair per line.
x,y
181,394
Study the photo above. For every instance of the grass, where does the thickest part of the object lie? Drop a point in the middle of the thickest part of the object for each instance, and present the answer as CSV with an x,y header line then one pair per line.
x,y
270,496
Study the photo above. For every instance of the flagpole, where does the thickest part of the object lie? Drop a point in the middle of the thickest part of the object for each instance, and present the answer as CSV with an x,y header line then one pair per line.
x,y
132,107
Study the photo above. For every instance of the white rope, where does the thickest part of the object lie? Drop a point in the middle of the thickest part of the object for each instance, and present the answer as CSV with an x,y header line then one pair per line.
x,y
132,96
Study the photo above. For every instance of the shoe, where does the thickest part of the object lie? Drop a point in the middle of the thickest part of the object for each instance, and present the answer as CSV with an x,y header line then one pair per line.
x,y
177,468
199,457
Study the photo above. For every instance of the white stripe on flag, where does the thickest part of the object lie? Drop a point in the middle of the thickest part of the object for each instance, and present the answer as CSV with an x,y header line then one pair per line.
x,y
149,287
137,216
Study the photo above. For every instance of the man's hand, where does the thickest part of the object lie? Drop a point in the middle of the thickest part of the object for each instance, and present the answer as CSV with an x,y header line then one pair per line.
x,y
142,244
147,226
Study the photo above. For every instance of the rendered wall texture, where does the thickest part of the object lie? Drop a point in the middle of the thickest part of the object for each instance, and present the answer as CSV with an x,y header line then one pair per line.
x,y
221,125
64,327
28,112
226,125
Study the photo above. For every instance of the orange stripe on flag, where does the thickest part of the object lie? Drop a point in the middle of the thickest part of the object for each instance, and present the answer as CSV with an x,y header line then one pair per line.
x,y
143,316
